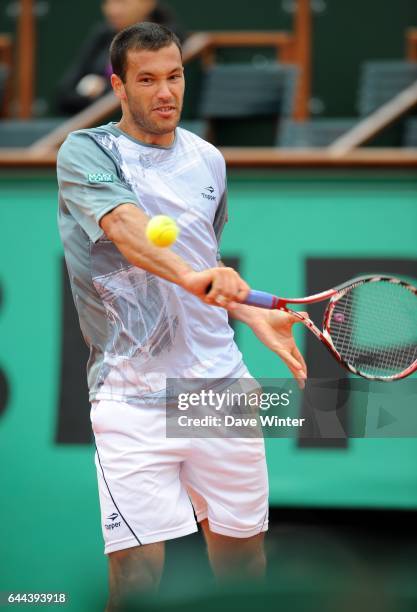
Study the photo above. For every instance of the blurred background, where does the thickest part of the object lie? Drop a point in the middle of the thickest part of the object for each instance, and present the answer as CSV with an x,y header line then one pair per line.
x,y
313,104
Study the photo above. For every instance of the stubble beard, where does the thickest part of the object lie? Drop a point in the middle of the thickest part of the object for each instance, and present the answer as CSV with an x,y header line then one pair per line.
x,y
146,124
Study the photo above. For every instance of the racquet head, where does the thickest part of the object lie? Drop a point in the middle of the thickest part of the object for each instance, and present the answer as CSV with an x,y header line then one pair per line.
x,y
372,324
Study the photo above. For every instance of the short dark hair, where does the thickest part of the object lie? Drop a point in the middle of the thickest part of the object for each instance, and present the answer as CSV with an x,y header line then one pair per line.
x,y
145,35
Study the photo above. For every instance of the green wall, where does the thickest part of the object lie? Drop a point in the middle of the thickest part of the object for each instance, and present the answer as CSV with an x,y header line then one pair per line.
x,y
345,34
318,215
51,534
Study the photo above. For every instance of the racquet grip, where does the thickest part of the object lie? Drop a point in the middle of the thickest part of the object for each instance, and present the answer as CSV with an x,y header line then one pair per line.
x,y
262,299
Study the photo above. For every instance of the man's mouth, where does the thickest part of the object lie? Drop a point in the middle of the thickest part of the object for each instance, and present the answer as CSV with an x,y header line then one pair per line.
x,y
165,111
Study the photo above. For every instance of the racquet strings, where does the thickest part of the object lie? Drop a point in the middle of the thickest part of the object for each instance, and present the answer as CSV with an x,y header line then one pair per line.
x,y
374,328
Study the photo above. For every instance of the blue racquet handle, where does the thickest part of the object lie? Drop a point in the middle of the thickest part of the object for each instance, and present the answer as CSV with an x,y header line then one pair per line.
x,y
262,299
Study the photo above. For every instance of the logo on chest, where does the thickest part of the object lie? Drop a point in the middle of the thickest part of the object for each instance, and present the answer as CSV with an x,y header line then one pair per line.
x,y
145,161
209,195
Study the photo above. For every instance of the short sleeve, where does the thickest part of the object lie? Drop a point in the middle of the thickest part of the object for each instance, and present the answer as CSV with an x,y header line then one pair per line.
x,y
220,220
89,183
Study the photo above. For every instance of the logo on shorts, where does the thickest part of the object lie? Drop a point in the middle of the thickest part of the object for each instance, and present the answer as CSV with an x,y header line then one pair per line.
x,y
112,525
211,196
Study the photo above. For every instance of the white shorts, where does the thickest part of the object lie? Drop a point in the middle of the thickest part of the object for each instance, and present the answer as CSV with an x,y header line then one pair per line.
x,y
150,486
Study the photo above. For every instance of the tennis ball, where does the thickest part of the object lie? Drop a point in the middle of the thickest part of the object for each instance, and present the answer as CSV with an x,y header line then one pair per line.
x,y
162,231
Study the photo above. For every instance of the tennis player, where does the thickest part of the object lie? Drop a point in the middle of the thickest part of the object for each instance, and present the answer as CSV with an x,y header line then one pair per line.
x,y
149,313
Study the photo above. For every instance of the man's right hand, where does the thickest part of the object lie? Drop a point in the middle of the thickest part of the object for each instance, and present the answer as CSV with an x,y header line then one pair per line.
x,y
216,286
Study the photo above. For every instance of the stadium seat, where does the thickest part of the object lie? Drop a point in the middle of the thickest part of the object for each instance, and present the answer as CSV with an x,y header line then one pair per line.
x,y
233,93
3,79
245,90
381,81
314,133
410,133
23,133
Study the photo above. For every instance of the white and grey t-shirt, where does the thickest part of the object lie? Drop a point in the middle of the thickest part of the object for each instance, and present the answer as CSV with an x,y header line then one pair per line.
x,y
142,329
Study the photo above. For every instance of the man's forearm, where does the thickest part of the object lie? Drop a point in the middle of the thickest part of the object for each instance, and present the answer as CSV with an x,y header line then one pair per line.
x,y
126,228
245,314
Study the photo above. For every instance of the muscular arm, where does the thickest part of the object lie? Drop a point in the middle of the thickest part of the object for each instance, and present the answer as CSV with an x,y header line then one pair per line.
x,y
125,226
274,330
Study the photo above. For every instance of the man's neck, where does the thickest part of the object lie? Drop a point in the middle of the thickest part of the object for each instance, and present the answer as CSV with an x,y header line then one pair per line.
x,y
130,128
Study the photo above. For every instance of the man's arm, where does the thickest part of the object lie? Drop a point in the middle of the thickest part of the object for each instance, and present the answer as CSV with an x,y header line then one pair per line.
x,y
110,206
125,225
274,330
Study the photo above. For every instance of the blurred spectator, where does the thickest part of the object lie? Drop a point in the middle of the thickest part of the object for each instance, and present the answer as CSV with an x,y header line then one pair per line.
x,y
88,77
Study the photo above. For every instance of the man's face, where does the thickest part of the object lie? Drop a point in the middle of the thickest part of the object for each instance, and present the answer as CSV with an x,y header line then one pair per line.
x,y
123,13
154,89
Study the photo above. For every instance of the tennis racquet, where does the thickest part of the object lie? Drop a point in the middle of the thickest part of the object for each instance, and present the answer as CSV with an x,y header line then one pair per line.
x,y
369,325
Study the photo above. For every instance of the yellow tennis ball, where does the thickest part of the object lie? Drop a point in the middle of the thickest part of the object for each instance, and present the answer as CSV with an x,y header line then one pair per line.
x,y
162,231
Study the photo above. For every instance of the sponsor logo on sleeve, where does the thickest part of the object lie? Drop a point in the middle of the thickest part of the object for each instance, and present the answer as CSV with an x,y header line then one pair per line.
x,y
100,177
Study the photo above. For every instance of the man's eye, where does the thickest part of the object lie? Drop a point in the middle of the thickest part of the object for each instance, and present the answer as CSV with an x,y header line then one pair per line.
x,y
145,81
174,77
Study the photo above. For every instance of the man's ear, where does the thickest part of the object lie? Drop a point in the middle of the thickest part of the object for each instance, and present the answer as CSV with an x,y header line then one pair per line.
x,y
118,87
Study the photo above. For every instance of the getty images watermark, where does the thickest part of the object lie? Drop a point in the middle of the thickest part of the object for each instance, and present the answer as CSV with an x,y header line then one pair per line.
x,y
277,408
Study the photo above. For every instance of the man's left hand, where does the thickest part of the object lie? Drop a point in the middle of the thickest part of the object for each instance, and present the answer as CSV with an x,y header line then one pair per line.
x,y
274,329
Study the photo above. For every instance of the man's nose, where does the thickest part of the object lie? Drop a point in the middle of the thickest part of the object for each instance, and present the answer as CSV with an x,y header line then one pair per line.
x,y
164,90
